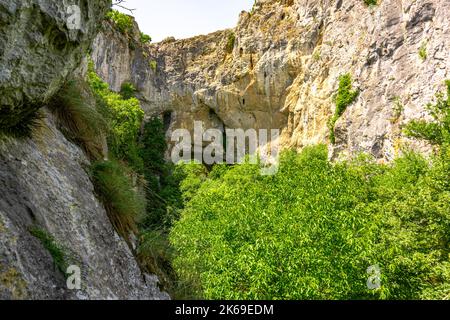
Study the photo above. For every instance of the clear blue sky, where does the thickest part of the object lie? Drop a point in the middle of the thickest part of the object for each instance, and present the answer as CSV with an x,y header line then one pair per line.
x,y
186,18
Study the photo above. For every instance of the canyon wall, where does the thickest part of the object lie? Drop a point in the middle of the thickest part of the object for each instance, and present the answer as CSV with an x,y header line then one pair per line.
x,y
48,207
280,68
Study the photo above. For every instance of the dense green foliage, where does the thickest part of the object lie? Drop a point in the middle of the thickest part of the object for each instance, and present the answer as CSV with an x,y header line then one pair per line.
x,y
117,181
313,230
145,38
57,252
162,192
122,21
371,2
163,205
344,97
437,132
113,183
124,117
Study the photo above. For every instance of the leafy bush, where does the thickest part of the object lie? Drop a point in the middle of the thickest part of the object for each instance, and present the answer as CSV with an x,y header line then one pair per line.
x,y
124,117
437,132
311,231
255,237
413,208
123,22
192,175
125,205
153,65
79,118
230,42
145,38
423,51
371,2
344,97
56,251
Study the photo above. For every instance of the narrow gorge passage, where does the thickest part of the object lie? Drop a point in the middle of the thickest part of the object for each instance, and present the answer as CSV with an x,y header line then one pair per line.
x,y
301,153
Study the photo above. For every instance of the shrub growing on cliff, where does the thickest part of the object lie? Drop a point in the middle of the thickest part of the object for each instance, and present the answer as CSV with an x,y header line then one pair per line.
x,y
345,96
423,51
437,132
145,38
371,2
124,204
123,22
153,65
51,245
230,42
124,117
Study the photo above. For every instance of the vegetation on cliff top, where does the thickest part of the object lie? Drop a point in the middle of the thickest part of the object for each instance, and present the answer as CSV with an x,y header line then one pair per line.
x,y
123,21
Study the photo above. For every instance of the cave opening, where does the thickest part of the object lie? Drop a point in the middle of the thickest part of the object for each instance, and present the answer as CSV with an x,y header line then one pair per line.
x,y
167,120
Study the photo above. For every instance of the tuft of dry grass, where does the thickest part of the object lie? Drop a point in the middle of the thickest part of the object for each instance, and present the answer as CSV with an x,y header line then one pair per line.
x,y
78,118
124,204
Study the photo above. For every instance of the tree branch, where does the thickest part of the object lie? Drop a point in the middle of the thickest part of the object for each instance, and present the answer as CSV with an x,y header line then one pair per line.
x,y
119,3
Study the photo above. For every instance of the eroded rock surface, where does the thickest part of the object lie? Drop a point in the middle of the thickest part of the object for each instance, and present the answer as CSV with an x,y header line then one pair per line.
x,y
283,70
39,47
44,185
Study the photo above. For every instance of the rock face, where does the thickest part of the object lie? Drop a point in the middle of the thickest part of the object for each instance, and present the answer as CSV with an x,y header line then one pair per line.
x,y
41,42
44,183
282,71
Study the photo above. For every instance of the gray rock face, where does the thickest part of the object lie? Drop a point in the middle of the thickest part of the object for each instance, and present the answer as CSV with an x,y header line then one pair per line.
x,y
283,71
43,180
43,184
41,42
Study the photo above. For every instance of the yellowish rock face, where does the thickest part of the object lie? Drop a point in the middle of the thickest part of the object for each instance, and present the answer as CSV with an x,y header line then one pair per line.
x,y
282,71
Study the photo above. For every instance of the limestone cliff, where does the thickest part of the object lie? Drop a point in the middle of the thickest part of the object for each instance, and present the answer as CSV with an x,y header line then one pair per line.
x,y
44,183
279,68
